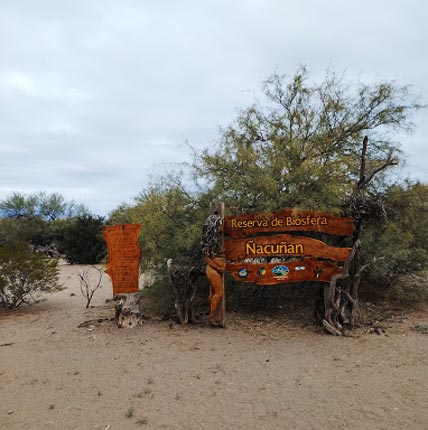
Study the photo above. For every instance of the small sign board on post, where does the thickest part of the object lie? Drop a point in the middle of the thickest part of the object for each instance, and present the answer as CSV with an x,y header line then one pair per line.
x,y
124,252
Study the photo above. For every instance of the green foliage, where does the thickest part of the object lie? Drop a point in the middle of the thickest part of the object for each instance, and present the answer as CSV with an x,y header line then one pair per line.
x,y
400,244
48,207
21,230
39,219
19,206
171,224
159,294
171,227
302,148
25,275
83,242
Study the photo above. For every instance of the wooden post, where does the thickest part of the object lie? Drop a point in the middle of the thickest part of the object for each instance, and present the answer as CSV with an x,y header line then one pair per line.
x,y
215,274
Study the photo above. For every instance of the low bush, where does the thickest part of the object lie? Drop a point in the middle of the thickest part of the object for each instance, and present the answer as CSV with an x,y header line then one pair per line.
x,y
83,241
25,275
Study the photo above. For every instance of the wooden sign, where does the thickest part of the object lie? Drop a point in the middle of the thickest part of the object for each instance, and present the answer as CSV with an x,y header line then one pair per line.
x,y
255,248
124,252
287,220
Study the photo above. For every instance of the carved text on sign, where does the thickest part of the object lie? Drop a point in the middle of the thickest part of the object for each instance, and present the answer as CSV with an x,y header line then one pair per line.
x,y
282,248
124,252
282,244
287,220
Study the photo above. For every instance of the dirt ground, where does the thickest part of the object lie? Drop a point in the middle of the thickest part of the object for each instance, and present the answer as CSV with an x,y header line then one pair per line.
x,y
258,373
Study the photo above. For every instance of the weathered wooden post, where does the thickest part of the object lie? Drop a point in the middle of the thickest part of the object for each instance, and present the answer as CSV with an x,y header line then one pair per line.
x,y
216,263
123,267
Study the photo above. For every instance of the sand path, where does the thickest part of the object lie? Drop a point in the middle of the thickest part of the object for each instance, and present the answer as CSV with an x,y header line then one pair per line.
x,y
251,375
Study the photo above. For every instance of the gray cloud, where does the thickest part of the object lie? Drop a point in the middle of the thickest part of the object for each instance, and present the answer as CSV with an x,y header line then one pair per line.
x,y
97,95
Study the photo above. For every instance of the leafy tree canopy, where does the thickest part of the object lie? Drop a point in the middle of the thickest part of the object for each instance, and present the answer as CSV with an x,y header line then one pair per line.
x,y
302,147
171,221
48,207
83,241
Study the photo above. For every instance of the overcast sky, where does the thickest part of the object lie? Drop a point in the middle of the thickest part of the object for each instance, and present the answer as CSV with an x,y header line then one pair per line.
x,y
97,95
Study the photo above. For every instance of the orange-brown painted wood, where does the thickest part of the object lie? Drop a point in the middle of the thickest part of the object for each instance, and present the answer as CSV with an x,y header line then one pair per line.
x,y
287,220
307,269
262,246
124,252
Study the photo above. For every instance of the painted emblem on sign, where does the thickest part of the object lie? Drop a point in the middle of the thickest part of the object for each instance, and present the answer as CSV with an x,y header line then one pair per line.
x,y
262,271
243,273
300,268
280,271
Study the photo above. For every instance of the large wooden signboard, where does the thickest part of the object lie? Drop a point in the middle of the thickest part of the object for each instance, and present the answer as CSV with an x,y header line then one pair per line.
x,y
256,249
124,252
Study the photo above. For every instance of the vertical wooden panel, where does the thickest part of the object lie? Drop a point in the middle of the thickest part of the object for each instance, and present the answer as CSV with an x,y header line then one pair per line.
x,y
124,253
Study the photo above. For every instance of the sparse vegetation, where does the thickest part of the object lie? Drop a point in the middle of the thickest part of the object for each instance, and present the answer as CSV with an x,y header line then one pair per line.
x,y
421,328
300,147
25,275
52,225
143,421
88,286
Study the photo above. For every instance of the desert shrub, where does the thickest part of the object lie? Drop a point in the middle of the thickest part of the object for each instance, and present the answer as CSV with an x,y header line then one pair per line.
x,y
38,219
83,241
158,296
171,227
21,230
400,242
25,275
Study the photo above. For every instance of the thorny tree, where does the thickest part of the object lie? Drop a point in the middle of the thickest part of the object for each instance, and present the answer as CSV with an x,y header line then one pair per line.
x,y
341,299
301,147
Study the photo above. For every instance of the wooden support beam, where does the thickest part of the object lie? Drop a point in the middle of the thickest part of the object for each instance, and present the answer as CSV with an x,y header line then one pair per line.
x,y
215,274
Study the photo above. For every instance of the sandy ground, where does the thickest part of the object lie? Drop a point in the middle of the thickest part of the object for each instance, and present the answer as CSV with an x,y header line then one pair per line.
x,y
252,375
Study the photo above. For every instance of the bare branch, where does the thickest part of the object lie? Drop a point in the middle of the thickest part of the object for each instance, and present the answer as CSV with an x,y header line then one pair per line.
x,y
87,288
366,179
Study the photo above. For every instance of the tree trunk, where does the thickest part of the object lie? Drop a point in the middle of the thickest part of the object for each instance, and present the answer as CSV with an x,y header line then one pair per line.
x,y
182,280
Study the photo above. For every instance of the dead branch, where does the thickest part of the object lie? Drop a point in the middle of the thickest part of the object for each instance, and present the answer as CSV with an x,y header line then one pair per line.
x,y
87,287
365,179
211,237
182,280
341,303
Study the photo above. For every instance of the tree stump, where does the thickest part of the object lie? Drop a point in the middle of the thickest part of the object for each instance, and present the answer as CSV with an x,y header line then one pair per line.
x,y
128,310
